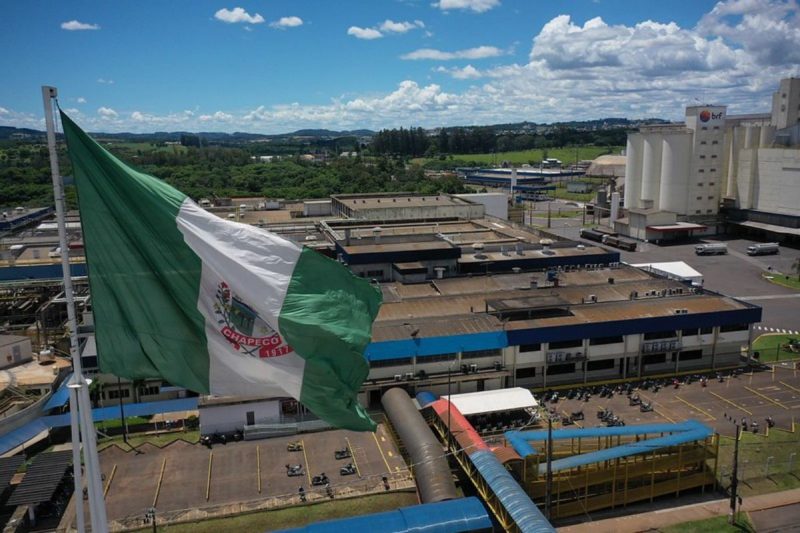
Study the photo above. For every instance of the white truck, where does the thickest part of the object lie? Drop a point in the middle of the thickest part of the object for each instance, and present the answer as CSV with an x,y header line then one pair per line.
x,y
712,248
763,248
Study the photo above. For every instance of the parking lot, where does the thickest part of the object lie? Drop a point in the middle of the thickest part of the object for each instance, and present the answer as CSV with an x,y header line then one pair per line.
x,y
753,396
183,477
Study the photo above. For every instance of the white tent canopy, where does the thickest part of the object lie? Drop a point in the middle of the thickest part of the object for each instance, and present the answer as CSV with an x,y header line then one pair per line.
x,y
673,270
492,401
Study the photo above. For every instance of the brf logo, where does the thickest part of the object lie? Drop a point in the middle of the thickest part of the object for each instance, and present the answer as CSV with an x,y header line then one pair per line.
x,y
706,115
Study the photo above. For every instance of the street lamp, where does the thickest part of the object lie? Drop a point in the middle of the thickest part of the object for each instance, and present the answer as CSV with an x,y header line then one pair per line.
x,y
734,470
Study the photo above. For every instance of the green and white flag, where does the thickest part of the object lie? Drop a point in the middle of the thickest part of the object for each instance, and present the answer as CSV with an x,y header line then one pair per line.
x,y
213,305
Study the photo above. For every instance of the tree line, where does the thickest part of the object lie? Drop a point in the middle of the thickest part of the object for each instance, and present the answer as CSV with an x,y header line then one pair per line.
x,y
416,142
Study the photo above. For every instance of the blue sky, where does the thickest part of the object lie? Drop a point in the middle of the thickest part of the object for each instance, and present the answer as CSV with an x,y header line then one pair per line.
x,y
275,66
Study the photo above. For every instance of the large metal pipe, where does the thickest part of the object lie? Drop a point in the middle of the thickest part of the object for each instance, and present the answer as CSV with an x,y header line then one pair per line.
x,y
431,471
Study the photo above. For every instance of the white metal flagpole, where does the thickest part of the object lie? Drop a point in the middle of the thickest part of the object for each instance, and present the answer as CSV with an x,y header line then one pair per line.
x,y
79,386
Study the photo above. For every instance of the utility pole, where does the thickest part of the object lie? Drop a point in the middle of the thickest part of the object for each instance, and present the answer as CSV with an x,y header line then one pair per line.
x,y
548,215
449,396
548,497
122,413
734,476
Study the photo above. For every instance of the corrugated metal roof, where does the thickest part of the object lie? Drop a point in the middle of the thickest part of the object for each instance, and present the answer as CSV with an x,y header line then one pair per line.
x,y
526,515
452,516
491,401
60,397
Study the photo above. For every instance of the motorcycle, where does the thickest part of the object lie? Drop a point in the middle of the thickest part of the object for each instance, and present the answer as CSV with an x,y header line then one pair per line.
x,y
321,479
577,415
347,470
634,400
344,453
295,446
646,407
294,470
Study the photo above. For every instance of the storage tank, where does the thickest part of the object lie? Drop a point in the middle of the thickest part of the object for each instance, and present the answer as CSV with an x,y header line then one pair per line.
x,y
767,136
651,167
633,170
733,156
675,160
751,136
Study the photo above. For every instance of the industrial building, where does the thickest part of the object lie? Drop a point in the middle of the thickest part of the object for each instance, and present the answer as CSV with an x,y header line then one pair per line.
x,y
540,328
404,206
746,165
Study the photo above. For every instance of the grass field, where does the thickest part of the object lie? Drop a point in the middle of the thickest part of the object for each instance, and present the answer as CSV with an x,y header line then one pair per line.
x,y
782,279
145,147
296,516
753,453
566,155
711,525
770,348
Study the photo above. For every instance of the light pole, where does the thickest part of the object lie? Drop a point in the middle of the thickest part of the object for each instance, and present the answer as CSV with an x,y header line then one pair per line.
x,y
548,497
734,472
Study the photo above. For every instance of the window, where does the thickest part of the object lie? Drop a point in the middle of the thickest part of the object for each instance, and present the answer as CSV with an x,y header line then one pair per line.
x,y
530,347
713,170
702,142
713,156
734,327
710,183
690,354
709,211
704,128
403,361
710,197
654,359
699,197
523,373
701,170
150,390
480,353
716,127
113,394
687,332
437,358
706,331
605,340
654,335
697,212
560,345
567,368
714,142
603,364
699,183
702,156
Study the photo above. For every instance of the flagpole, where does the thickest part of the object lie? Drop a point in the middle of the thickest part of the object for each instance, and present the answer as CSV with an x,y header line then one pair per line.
x,y
79,404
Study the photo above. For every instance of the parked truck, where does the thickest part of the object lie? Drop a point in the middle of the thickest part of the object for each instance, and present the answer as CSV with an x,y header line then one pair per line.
x,y
712,248
763,248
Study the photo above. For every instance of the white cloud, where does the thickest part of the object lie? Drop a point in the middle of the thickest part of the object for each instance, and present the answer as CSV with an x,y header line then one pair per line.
x,y
287,22
364,33
81,100
466,73
107,112
479,52
478,6
74,25
236,15
390,26
105,81
219,116
4,111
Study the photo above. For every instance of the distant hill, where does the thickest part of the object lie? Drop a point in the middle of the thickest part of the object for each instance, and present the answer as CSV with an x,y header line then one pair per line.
x,y
8,132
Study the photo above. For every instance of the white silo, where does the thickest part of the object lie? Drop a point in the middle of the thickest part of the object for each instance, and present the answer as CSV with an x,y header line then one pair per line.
x,y
651,168
733,156
675,165
767,136
633,170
